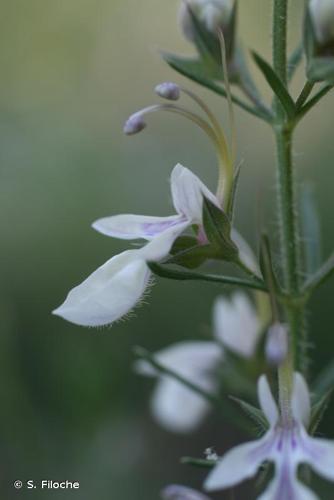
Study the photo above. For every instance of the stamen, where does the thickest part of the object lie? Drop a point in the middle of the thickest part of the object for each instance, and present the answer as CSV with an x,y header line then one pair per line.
x,y
136,123
226,178
171,91
168,90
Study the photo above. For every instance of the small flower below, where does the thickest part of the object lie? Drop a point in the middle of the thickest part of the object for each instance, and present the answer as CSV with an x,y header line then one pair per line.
x,y
177,407
286,444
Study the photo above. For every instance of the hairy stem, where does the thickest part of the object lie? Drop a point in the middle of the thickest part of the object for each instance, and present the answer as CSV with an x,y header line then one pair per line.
x,y
287,209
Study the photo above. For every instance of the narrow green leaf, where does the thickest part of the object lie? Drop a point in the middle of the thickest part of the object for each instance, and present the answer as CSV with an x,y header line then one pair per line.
x,y
218,230
166,272
318,411
195,70
252,412
266,265
321,276
198,462
324,381
276,85
312,102
230,210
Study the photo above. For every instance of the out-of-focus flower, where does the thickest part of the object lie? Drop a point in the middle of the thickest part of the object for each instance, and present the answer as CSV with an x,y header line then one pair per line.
x,y
236,324
177,492
117,286
175,406
213,14
286,443
322,16
277,344
178,408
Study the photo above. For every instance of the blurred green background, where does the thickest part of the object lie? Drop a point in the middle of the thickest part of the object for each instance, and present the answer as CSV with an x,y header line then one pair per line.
x,y
71,72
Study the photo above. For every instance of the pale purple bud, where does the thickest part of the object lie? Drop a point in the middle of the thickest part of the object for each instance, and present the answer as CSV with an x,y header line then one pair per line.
x,y
322,15
276,348
134,124
168,90
176,492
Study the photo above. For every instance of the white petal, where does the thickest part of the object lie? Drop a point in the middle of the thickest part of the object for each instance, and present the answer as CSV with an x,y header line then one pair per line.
x,y
159,247
189,358
177,408
187,192
236,324
301,405
239,464
266,400
289,488
320,454
195,361
129,227
109,293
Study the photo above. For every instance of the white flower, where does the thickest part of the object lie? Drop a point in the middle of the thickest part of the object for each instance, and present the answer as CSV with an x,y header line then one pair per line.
x,y
117,286
177,492
286,444
236,324
176,407
212,13
322,15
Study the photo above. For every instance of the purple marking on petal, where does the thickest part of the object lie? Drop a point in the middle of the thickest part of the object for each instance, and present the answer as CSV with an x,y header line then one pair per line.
x,y
285,483
154,228
201,236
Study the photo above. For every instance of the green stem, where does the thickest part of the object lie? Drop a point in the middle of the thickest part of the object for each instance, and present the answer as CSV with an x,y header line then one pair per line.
x,y
287,211
165,272
288,224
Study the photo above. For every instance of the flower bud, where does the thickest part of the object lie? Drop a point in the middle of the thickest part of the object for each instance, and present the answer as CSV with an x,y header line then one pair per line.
x,y
322,16
213,14
276,348
134,124
176,492
168,90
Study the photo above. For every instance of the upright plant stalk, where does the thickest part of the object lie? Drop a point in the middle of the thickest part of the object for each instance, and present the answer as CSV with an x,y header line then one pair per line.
x,y
287,207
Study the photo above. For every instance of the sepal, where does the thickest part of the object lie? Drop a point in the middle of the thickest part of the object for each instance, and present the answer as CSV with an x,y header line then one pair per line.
x,y
318,410
218,231
252,412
